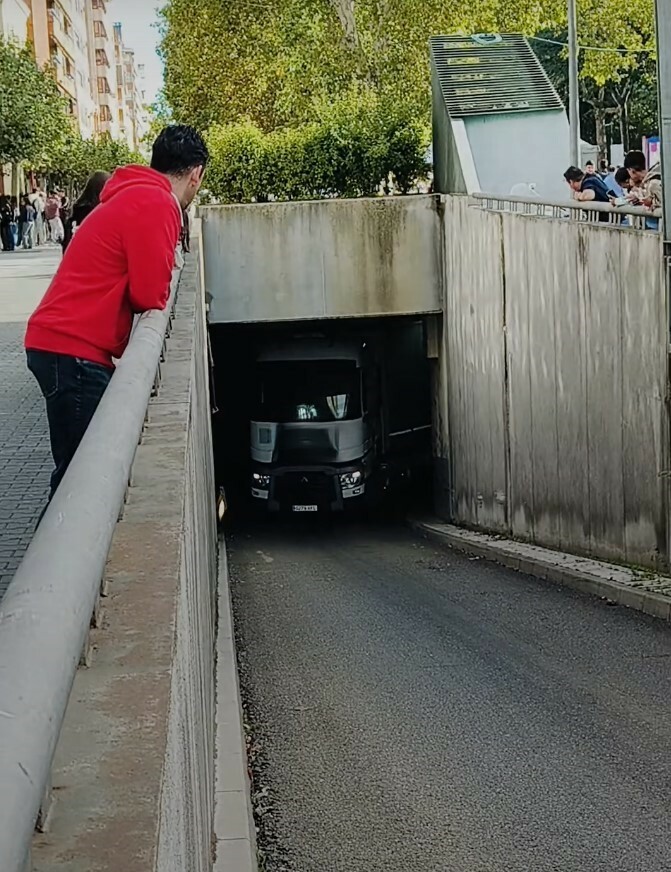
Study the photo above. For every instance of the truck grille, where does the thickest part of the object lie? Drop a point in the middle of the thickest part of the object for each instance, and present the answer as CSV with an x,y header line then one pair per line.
x,y
305,488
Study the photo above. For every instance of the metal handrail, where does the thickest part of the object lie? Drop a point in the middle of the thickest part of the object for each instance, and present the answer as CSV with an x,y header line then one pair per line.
x,y
46,611
584,211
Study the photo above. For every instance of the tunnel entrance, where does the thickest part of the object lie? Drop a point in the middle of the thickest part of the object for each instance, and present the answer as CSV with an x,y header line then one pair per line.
x,y
322,417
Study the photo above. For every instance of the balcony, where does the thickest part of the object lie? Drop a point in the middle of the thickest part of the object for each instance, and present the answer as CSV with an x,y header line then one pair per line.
x,y
65,74
60,30
100,35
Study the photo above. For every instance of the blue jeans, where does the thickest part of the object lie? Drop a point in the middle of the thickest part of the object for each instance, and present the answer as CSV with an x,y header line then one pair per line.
x,y
72,389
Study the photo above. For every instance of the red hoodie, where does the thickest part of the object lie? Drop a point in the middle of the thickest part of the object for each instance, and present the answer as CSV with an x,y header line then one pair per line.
x,y
119,263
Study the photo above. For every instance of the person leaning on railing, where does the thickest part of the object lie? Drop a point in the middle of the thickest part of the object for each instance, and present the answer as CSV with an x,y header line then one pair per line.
x,y
647,183
118,264
587,188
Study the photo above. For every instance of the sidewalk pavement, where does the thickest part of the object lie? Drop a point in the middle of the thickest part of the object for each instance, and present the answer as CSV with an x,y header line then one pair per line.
x,y
637,589
25,458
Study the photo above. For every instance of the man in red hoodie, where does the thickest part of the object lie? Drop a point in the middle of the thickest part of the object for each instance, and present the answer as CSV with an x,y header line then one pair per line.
x,y
119,263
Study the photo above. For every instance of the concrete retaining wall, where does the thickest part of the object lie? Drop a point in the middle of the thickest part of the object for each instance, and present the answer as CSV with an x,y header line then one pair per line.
x,y
325,259
133,773
554,377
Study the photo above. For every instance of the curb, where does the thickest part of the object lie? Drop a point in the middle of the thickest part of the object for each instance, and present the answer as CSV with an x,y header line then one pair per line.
x,y
234,830
604,580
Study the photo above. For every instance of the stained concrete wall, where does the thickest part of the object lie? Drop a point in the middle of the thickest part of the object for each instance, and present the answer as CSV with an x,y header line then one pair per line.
x,y
549,411
133,774
554,377
325,259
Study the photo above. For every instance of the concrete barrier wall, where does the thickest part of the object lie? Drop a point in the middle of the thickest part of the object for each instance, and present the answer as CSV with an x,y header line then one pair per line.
x,y
325,259
133,774
185,832
554,375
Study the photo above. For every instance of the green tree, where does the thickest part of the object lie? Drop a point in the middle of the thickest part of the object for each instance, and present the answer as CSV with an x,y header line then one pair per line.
x,y
32,114
160,115
75,159
359,143
617,70
274,63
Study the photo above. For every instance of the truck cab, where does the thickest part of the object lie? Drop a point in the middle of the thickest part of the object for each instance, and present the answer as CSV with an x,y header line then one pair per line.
x,y
312,436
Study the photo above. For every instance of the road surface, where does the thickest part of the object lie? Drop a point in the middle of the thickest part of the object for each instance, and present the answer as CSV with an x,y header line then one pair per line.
x,y
417,711
25,459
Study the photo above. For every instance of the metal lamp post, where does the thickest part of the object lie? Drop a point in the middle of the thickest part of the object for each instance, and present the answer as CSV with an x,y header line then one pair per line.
x,y
664,85
574,93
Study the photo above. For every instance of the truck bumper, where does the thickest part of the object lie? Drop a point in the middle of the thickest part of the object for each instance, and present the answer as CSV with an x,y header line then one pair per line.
x,y
314,490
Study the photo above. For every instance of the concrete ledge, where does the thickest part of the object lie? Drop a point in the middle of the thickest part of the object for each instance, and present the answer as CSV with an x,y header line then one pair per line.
x,y
134,769
234,830
628,587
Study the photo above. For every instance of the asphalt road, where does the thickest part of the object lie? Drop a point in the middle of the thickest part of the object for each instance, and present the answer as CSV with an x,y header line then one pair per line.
x,y
417,710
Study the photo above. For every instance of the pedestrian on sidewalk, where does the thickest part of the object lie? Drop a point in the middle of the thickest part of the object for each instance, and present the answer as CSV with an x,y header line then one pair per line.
x,y
37,200
89,199
14,225
52,209
118,263
64,210
27,223
6,215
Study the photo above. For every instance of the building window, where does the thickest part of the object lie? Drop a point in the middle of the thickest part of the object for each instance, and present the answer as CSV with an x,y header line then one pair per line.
x,y
103,85
101,57
105,113
67,25
99,30
69,69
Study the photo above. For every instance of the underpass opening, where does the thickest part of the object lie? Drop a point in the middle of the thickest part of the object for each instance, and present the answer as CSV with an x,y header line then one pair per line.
x,y
324,418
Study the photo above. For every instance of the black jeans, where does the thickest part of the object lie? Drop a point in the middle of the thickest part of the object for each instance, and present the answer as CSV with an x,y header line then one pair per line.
x,y
72,389
7,237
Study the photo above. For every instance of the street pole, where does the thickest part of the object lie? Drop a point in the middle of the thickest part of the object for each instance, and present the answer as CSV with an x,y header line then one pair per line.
x,y
664,85
663,14
573,92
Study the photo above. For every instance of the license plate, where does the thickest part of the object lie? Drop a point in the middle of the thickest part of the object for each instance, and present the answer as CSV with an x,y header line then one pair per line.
x,y
305,508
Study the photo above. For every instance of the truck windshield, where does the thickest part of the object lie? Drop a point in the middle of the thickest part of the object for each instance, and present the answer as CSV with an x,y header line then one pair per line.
x,y
309,390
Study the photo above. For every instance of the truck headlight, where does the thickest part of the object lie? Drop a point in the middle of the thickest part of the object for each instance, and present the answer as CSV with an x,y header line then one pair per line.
x,y
262,482
351,479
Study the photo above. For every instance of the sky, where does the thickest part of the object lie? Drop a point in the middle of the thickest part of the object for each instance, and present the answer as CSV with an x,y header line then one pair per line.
x,y
137,18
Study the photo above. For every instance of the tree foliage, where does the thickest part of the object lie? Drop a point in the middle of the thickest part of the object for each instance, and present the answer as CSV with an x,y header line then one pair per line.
x,y
617,67
160,115
75,159
32,113
275,62
358,144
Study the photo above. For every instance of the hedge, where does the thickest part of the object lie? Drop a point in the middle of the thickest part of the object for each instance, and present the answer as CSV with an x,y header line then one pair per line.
x,y
358,145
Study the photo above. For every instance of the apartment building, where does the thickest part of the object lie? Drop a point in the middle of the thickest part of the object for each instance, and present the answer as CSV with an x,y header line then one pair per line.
x,y
101,42
58,30
130,96
14,15
95,72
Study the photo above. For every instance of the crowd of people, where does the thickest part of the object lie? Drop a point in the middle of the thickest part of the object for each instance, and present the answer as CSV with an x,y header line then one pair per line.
x,y
633,184
43,218
33,219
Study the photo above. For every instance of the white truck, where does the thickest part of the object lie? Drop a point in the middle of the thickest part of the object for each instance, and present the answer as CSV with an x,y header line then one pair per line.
x,y
338,424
